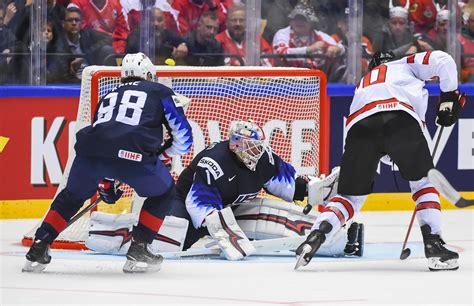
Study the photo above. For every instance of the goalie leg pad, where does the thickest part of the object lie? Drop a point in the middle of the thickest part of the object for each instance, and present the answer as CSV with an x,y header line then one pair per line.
x,y
171,236
230,238
321,189
110,233
269,218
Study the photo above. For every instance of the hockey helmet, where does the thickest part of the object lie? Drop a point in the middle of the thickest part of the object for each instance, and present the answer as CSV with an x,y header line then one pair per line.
x,y
246,140
381,57
138,65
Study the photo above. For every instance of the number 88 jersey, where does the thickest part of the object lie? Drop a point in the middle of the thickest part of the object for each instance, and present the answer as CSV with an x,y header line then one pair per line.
x,y
128,124
399,85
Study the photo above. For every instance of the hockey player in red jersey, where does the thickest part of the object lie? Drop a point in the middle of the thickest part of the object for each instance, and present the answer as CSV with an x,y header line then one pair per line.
x,y
386,117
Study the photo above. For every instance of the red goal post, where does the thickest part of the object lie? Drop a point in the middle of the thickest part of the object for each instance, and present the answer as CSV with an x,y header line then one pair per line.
x,y
289,103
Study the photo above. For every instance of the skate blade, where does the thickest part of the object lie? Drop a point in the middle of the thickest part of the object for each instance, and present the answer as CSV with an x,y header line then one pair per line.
x,y
33,267
434,264
301,261
132,266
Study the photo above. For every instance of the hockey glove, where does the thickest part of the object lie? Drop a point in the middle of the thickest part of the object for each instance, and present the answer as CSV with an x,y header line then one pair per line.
x,y
166,159
449,107
109,191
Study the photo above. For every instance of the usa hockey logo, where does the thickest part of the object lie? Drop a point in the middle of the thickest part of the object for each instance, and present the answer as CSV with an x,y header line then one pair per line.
x,y
133,156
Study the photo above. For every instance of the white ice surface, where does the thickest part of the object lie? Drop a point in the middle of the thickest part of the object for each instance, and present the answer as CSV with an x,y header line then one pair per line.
x,y
378,278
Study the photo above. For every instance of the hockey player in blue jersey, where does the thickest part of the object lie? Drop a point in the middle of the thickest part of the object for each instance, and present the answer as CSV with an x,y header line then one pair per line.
x,y
208,197
125,143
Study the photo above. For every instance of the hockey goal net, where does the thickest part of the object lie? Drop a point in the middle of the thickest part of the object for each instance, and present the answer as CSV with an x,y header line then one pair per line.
x,y
289,103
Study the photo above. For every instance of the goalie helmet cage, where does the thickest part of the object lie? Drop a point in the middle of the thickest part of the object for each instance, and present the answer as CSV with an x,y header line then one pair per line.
x,y
289,103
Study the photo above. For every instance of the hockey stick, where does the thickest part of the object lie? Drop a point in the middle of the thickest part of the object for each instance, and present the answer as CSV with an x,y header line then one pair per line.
x,y
86,209
406,251
441,183
83,212
262,247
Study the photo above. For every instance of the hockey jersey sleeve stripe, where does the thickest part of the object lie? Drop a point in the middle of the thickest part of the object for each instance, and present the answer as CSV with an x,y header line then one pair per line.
x,y
201,201
426,58
282,184
180,128
428,204
374,104
411,59
424,191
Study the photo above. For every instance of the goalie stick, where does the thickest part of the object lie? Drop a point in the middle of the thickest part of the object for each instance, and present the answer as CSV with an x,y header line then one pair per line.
x,y
441,183
262,247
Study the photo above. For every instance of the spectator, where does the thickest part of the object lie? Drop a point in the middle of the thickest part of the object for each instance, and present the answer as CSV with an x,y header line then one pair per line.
x,y
56,64
341,37
89,45
233,39
467,44
104,16
396,35
203,48
8,44
191,10
423,14
301,38
167,43
435,39
132,10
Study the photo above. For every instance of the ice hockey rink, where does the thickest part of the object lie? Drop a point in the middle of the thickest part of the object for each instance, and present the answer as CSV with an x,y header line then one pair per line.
x,y
379,277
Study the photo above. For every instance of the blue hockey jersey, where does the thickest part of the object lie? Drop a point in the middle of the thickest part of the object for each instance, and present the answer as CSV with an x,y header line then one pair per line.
x,y
216,179
128,124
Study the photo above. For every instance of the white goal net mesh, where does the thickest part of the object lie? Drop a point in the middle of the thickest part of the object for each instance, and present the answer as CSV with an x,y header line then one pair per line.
x,y
286,102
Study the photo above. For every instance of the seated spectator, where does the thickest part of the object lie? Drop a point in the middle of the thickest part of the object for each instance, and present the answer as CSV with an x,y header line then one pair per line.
x,y
190,12
435,39
467,44
88,44
396,35
341,37
167,43
203,48
132,10
233,39
301,38
105,16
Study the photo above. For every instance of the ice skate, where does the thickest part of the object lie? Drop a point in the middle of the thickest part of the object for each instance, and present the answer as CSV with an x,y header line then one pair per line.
x,y
439,257
355,240
37,257
306,251
140,259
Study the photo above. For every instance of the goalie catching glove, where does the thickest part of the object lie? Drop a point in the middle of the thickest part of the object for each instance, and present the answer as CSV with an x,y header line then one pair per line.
x,y
228,235
109,190
449,107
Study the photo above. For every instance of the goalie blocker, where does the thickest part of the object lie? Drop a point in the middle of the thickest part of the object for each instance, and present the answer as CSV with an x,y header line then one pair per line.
x,y
259,219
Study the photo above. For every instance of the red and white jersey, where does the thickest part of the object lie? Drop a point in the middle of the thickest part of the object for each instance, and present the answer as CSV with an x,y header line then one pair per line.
x,y
399,85
233,47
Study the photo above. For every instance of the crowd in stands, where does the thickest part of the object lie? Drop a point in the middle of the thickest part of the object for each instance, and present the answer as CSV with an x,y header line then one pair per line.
x,y
295,33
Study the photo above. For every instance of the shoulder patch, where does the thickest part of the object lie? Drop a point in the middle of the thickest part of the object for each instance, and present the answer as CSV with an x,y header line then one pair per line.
x,y
211,165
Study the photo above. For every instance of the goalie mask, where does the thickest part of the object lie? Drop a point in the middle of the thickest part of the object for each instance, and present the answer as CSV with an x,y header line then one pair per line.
x,y
246,141
381,57
138,65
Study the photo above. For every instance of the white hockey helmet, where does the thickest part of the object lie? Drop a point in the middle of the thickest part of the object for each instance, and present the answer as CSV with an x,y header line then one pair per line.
x,y
246,140
138,65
